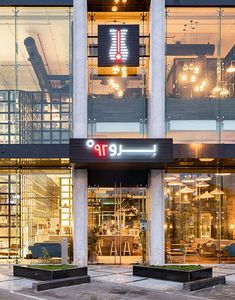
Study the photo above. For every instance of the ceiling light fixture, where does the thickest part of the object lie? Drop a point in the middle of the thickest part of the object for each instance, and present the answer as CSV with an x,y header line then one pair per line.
x,y
114,8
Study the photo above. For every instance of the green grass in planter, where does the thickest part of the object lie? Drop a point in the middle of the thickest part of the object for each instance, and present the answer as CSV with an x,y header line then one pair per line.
x,y
53,267
180,267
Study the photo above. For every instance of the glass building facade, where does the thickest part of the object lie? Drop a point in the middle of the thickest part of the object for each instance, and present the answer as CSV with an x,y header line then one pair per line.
x,y
38,193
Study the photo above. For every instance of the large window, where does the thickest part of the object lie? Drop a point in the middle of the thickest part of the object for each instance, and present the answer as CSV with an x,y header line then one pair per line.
x,y
35,73
117,94
35,207
199,217
200,75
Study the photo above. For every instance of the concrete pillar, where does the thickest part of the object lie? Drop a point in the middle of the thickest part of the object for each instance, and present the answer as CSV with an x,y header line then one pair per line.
x,y
80,218
80,69
80,183
156,104
156,218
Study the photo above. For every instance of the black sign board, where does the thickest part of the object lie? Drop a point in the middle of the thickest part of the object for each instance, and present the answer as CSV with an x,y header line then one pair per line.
x,y
88,152
118,45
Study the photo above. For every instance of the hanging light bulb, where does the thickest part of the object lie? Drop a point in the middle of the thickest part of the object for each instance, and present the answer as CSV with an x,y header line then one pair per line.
x,y
203,83
216,89
114,8
197,89
231,69
116,70
224,92
184,77
196,70
193,78
120,94
185,67
191,67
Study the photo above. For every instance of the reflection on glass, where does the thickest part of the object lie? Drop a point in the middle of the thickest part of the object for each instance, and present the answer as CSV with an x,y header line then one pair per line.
x,y
199,218
200,75
121,90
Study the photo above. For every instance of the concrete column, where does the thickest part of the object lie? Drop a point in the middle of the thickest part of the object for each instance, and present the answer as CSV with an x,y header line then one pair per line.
x,y
156,218
80,69
80,218
156,104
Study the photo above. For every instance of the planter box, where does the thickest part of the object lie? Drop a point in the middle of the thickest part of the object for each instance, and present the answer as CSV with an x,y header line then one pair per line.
x,y
44,275
173,275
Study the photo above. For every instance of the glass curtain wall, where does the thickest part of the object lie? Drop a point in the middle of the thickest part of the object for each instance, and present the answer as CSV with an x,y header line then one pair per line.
x,y
117,98
200,75
36,74
199,217
35,212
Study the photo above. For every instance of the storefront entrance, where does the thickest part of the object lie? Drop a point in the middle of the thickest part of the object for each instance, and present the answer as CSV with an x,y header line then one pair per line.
x,y
117,230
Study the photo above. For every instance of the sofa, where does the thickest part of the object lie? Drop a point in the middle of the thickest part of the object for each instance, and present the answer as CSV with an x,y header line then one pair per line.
x,y
229,251
53,249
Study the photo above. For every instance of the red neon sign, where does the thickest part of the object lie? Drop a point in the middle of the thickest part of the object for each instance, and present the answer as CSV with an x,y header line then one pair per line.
x,y
101,149
118,54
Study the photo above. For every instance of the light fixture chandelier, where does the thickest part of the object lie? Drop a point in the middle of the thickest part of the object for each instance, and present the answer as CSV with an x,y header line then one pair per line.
x,y
186,190
202,184
203,178
231,68
175,183
170,177
217,192
187,180
206,195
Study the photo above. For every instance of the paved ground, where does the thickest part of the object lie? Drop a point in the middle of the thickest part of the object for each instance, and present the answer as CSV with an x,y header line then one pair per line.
x,y
115,283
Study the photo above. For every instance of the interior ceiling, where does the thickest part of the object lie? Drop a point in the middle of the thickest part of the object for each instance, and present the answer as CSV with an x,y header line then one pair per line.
x,y
106,5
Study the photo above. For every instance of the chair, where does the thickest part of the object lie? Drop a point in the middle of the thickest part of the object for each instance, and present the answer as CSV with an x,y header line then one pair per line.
x,y
113,249
127,248
229,251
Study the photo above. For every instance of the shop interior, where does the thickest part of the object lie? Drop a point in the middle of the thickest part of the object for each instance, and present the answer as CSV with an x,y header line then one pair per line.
x,y
35,210
199,217
116,231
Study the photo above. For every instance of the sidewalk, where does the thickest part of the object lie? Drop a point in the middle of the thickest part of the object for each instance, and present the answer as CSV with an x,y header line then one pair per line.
x,y
117,282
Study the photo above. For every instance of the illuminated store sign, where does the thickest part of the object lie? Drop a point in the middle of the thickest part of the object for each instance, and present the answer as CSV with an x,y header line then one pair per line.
x,y
118,51
118,45
119,150
86,152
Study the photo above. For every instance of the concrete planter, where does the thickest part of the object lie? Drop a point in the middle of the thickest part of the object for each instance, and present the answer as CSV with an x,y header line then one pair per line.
x,y
172,275
45,275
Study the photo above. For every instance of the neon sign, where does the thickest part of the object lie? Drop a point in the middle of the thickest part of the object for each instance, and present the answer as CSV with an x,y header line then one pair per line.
x,y
119,150
118,45
118,51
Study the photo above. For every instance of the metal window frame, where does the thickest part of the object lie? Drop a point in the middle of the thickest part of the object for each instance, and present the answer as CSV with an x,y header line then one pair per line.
x,y
175,3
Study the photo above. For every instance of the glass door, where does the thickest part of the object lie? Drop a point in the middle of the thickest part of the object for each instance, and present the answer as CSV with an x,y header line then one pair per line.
x,y
116,229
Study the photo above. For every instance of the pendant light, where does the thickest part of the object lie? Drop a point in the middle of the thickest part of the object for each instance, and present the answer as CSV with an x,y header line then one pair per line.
x,y
186,190
203,178
217,192
202,184
207,195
